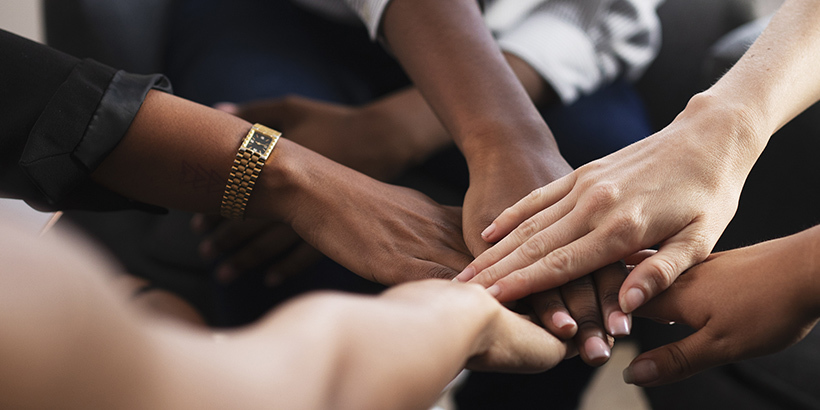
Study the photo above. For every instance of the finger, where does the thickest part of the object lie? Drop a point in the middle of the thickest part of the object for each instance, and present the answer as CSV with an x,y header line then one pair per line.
x,y
550,309
638,257
521,347
536,201
273,113
675,361
300,259
227,236
586,254
582,302
262,248
656,273
532,241
227,107
202,223
608,282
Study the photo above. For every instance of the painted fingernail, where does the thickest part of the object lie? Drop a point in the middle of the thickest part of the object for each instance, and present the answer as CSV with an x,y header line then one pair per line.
x,y
619,324
562,320
641,372
488,231
596,348
225,273
465,275
494,291
633,299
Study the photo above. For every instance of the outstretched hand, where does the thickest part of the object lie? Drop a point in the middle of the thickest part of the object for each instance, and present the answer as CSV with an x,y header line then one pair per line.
x,y
742,303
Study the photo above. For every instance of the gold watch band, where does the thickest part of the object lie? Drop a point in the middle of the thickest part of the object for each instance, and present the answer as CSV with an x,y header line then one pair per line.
x,y
247,165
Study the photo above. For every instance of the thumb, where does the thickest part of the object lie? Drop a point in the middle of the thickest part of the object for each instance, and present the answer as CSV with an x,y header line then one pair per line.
x,y
656,273
673,362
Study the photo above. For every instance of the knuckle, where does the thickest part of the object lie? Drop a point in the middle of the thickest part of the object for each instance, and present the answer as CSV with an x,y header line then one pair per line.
x,y
602,195
678,361
528,229
537,195
661,274
576,287
441,272
534,248
626,224
558,264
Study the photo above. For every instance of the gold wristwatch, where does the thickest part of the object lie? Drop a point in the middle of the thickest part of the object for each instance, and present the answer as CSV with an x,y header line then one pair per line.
x,y
250,158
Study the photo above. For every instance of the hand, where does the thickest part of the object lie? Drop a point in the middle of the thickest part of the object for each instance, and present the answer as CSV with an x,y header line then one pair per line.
x,y
499,178
381,139
384,233
742,303
580,309
244,246
675,188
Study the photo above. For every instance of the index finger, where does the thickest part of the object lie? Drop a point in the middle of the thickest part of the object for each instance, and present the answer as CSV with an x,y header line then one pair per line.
x,y
536,201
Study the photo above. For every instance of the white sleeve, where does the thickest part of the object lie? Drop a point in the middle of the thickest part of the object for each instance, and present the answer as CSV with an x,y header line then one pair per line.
x,y
579,45
370,12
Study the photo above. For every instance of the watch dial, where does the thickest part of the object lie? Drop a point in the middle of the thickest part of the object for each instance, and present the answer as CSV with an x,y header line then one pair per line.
x,y
259,142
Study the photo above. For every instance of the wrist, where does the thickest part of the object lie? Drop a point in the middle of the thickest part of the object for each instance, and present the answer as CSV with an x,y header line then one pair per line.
x,y
526,157
743,130
407,115
279,183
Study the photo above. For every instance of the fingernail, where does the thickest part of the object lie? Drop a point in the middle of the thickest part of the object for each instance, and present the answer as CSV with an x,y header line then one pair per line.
x,y
227,107
633,299
465,275
619,324
488,231
206,250
641,372
225,273
562,320
198,223
596,348
494,291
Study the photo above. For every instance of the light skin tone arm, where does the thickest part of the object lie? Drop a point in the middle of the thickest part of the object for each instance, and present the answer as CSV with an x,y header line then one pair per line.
x,y
71,341
678,188
742,303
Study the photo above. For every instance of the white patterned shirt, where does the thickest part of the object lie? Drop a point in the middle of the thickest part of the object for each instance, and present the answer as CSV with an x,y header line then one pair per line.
x,y
576,45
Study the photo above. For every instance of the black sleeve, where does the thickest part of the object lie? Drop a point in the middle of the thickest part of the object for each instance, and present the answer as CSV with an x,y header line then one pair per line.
x,y
60,117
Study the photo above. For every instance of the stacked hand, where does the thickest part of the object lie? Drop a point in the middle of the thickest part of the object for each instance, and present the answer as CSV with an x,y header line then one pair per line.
x,y
742,303
671,189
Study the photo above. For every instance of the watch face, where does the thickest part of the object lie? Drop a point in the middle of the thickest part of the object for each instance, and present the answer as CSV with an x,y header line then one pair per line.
x,y
259,142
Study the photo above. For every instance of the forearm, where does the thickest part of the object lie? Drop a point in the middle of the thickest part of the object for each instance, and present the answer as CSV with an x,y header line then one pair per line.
x,y
811,252
454,61
179,154
394,351
408,111
777,77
